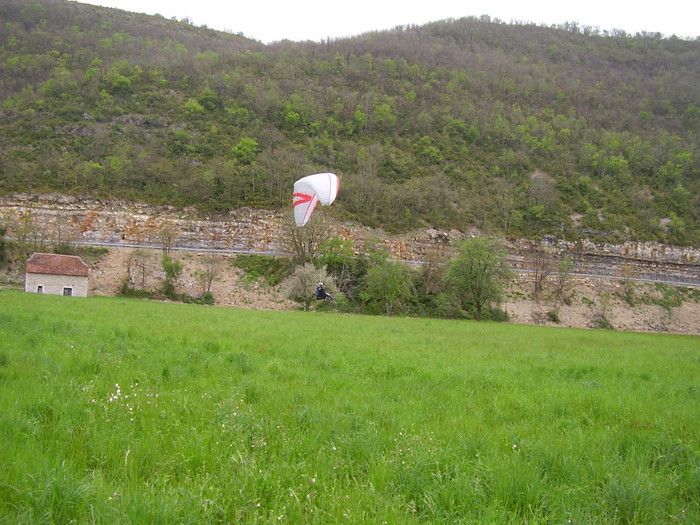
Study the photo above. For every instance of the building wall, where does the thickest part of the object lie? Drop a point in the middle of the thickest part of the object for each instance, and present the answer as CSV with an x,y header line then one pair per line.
x,y
54,284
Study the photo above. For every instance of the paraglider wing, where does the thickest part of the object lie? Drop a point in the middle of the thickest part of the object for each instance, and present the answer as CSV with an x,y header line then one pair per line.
x,y
309,191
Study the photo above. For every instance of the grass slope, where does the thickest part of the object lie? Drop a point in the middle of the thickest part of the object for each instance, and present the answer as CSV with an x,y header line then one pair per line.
x,y
121,411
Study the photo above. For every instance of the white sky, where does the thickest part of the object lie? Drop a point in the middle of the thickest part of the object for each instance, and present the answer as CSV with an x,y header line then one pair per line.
x,y
273,20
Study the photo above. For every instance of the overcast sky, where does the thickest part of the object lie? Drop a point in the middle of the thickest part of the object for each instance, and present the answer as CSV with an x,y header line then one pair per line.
x,y
272,20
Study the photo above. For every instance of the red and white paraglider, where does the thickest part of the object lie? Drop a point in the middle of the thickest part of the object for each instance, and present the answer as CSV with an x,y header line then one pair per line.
x,y
310,190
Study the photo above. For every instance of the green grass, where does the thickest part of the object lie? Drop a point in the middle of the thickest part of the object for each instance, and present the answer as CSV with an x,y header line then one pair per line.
x,y
123,411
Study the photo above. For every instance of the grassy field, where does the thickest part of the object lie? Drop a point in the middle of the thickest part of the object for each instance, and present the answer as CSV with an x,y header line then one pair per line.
x,y
122,411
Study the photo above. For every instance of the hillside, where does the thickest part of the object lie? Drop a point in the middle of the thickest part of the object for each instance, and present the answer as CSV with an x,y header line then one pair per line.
x,y
624,287
517,129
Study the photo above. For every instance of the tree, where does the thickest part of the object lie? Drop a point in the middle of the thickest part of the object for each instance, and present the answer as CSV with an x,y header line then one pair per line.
x,y
628,274
63,237
305,242
337,255
387,286
205,277
542,264
136,265
475,278
121,77
505,197
246,150
172,269
429,281
29,235
165,115
167,236
563,278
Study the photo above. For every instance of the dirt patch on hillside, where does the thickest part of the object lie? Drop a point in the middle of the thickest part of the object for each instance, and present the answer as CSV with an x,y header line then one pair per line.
x,y
590,302
230,286
599,303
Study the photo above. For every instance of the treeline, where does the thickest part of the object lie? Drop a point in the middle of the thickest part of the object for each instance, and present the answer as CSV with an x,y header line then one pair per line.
x,y
514,128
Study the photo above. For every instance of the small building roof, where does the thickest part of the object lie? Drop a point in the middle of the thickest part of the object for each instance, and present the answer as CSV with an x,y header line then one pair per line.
x,y
54,264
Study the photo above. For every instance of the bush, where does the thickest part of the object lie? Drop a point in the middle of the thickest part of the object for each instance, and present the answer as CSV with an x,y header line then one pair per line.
x,y
207,298
553,316
497,314
273,269
301,286
127,290
601,322
65,248
95,251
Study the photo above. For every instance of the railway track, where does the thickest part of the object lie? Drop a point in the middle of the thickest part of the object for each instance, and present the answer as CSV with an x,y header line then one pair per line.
x,y
583,264
623,268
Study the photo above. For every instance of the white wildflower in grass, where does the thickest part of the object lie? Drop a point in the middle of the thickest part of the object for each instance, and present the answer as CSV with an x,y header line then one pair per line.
x,y
117,393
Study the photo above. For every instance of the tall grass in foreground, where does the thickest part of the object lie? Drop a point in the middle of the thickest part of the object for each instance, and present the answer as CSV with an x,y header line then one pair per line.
x,y
121,411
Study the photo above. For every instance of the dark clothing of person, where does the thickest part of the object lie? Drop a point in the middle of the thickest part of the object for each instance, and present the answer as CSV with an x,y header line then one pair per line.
x,y
322,294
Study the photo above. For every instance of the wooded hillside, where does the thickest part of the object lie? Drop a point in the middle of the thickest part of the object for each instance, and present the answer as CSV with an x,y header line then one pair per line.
x,y
518,129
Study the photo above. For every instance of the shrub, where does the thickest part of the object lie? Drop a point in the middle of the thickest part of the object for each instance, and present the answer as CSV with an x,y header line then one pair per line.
x,y
553,316
95,251
273,269
127,290
207,298
300,287
601,322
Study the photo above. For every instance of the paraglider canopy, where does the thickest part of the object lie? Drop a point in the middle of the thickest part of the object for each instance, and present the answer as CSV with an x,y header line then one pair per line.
x,y
310,190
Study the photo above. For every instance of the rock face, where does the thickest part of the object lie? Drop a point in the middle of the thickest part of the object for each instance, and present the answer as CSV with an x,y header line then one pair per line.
x,y
57,217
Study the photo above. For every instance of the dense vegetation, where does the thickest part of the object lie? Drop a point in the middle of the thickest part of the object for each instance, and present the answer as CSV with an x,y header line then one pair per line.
x,y
120,411
514,128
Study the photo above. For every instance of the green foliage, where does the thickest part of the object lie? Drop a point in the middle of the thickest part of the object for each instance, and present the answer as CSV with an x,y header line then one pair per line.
x,y
337,256
207,298
336,253
172,269
553,316
665,296
122,77
605,126
168,292
115,410
476,277
94,252
126,290
209,100
600,322
246,150
386,287
301,285
192,107
273,269
65,248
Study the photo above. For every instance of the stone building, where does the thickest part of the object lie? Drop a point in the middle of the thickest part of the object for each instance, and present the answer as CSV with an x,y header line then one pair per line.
x,y
55,274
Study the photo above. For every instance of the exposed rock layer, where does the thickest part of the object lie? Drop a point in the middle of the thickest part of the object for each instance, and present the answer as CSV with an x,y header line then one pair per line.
x,y
89,220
